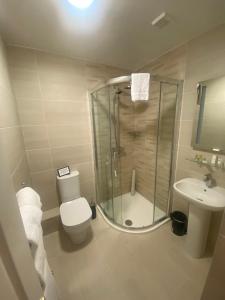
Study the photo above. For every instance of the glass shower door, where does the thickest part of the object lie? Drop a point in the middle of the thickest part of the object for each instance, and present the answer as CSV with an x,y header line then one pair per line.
x,y
102,139
164,153
115,150
105,122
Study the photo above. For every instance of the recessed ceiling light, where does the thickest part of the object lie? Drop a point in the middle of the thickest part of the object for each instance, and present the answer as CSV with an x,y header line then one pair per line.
x,y
81,3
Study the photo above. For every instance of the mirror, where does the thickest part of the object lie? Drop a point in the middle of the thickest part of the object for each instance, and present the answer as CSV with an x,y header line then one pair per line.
x,y
209,129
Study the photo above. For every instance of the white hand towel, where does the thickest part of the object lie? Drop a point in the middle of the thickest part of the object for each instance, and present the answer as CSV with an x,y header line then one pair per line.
x,y
40,259
28,196
140,86
31,215
51,292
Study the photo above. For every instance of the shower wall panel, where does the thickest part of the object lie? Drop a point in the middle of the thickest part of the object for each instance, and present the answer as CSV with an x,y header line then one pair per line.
x,y
146,120
127,141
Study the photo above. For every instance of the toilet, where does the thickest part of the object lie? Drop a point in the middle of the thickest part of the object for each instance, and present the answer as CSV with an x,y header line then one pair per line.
x,y
75,211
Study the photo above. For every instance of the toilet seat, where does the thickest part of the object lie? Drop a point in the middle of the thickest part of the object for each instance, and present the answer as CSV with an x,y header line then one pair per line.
x,y
75,212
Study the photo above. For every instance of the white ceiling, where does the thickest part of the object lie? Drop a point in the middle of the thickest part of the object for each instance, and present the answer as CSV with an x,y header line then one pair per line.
x,y
114,32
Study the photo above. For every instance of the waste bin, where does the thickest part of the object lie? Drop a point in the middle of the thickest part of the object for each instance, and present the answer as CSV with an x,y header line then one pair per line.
x,y
93,209
179,223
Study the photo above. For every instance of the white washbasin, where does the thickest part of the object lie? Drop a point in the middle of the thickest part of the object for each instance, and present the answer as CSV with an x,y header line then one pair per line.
x,y
197,193
202,201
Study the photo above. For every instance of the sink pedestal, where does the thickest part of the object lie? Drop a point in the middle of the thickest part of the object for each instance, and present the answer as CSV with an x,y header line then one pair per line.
x,y
198,228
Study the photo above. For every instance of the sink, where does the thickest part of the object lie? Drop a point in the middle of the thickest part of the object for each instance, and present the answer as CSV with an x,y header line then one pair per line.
x,y
202,202
196,192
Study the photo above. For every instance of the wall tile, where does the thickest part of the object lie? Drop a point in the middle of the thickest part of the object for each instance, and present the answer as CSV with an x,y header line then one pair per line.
x,y
66,112
13,146
35,137
63,92
10,132
8,113
30,112
39,159
69,135
71,155
45,184
25,83
20,57
21,175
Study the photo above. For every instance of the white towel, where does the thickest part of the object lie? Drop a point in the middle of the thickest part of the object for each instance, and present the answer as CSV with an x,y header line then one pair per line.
x,y
140,86
51,292
28,196
40,259
31,215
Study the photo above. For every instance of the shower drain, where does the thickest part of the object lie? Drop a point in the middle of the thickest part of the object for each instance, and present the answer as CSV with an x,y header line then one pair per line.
x,y
128,222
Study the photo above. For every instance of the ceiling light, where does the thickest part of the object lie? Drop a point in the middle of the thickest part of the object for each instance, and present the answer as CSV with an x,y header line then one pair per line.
x,y
81,3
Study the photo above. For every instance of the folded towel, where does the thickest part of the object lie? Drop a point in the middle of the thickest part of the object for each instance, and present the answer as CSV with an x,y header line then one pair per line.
x,y
140,86
51,292
28,196
31,215
40,259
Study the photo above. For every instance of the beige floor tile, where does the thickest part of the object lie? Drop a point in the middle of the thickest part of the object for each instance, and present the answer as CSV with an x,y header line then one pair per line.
x,y
115,265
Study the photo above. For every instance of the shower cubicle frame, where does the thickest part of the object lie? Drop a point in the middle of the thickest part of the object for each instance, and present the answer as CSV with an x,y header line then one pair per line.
x,y
127,79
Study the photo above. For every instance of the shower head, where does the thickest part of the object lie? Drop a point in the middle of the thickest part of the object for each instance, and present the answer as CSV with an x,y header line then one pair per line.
x,y
124,90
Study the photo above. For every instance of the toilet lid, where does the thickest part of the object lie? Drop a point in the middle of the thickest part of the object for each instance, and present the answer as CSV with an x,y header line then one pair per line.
x,y
75,212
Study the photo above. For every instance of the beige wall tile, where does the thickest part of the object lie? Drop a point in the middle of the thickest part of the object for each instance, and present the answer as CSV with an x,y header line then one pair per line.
x,y
35,137
66,112
20,57
25,83
63,92
4,74
8,113
189,105
186,128
45,184
30,112
71,155
88,190
85,169
13,146
10,132
51,93
39,159
69,135
21,175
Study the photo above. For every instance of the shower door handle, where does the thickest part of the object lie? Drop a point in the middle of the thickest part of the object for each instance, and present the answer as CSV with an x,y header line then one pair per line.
x,y
114,155
115,172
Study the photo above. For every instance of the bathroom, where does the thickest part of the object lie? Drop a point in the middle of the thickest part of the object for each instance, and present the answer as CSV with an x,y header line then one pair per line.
x,y
70,127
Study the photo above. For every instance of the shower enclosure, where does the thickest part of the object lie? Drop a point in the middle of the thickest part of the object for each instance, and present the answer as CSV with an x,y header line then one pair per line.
x,y
135,138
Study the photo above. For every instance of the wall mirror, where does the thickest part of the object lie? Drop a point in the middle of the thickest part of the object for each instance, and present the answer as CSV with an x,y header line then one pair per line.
x,y
209,126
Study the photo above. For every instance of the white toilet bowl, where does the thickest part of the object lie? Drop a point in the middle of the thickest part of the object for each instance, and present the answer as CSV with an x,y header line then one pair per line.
x,y
75,216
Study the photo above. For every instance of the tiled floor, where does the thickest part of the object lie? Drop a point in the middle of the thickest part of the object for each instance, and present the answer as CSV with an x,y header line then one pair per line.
x,y
115,265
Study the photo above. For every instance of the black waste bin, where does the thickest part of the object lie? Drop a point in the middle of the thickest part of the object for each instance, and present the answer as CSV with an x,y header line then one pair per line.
x,y
93,209
179,222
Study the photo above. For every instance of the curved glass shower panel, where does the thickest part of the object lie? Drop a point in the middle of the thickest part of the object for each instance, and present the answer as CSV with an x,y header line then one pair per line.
x,y
165,143
107,164
115,155
103,162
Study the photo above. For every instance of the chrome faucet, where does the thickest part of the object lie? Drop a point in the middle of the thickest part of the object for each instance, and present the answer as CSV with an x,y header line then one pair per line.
x,y
209,181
